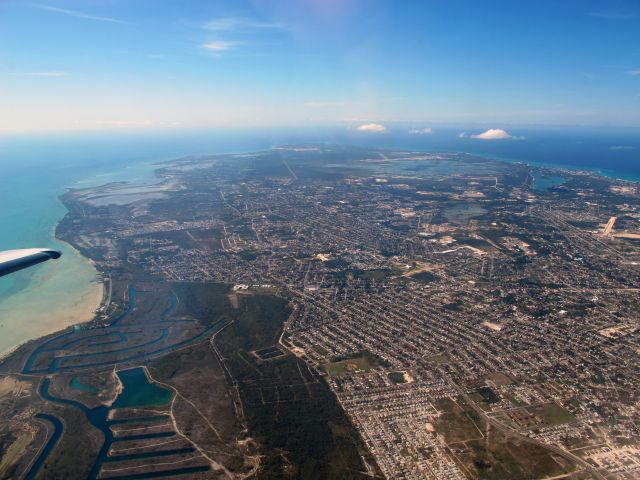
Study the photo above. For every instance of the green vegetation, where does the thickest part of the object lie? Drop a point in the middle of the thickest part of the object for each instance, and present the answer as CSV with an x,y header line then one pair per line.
x,y
208,302
456,423
362,361
196,373
484,397
456,305
14,452
75,453
424,277
397,377
377,275
302,431
488,395
548,414
505,458
552,414
353,365
336,263
499,379
439,359
487,453
264,290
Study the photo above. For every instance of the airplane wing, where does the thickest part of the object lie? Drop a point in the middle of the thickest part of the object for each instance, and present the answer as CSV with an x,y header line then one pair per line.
x,y
14,260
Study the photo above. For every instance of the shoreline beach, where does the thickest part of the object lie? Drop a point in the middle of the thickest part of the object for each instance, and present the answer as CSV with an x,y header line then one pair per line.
x,y
32,313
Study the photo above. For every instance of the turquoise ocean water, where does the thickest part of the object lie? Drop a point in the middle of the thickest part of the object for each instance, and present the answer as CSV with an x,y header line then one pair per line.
x,y
35,170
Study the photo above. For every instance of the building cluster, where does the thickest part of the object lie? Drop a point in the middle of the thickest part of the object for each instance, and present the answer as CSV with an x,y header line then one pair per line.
x,y
450,275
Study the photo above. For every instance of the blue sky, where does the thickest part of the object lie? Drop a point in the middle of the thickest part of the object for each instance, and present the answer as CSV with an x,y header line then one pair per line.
x,y
140,64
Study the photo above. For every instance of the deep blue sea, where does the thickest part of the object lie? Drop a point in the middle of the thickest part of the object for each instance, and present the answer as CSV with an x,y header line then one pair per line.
x,y
36,169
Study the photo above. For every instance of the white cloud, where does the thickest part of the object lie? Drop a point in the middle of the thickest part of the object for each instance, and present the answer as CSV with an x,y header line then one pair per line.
x,y
492,134
238,27
634,73
235,23
622,147
76,14
371,127
421,131
220,45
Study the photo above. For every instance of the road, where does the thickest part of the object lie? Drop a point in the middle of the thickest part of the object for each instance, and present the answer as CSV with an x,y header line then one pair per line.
x,y
609,226
514,434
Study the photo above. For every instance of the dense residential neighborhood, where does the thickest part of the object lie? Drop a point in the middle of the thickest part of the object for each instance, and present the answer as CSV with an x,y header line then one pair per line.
x,y
455,316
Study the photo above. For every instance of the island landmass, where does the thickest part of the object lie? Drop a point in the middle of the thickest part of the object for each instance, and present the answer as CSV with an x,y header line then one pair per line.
x,y
327,311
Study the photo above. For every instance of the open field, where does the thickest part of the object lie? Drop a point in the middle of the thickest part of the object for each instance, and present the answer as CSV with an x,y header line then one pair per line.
x,y
353,365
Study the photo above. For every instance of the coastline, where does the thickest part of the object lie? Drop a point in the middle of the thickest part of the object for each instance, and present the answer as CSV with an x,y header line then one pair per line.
x,y
82,308
572,169
65,292
36,311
